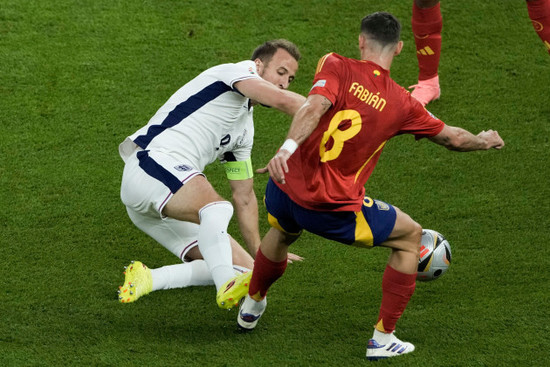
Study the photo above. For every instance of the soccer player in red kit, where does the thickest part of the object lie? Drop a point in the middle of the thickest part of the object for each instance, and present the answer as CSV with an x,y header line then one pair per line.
x,y
317,177
427,24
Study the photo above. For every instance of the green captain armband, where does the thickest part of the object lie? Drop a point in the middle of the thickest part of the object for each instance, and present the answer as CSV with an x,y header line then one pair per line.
x,y
239,170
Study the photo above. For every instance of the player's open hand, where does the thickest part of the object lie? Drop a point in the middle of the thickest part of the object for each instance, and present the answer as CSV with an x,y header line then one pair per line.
x,y
492,138
277,166
293,257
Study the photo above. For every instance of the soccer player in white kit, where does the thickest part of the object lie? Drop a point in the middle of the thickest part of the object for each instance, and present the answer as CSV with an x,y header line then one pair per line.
x,y
168,197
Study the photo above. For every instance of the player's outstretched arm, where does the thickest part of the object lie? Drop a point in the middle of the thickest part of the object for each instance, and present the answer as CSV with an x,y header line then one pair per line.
x,y
307,118
266,93
456,138
246,209
304,122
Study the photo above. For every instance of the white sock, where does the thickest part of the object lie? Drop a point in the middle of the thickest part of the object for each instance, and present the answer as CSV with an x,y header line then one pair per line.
x,y
194,273
382,338
182,275
214,241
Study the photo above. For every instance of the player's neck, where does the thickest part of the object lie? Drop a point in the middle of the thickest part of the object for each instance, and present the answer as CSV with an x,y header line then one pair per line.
x,y
383,59
381,54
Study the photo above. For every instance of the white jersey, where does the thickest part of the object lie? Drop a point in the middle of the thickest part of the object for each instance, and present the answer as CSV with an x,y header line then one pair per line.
x,y
205,120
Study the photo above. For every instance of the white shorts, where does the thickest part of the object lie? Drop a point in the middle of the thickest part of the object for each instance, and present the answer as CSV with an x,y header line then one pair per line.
x,y
148,182
151,178
176,236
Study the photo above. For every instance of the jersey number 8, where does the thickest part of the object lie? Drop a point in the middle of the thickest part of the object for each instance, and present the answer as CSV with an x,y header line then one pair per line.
x,y
339,136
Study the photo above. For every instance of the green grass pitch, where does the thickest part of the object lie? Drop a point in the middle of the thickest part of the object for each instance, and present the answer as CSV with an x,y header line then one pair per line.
x,y
77,76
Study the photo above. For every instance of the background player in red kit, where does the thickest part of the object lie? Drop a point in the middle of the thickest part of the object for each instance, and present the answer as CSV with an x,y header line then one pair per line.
x,y
427,24
318,176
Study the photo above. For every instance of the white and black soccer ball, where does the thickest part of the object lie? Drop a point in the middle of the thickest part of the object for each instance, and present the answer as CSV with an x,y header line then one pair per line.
x,y
435,255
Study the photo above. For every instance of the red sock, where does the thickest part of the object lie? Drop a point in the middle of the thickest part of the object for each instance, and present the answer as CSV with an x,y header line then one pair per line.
x,y
539,12
265,273
426,26
397,290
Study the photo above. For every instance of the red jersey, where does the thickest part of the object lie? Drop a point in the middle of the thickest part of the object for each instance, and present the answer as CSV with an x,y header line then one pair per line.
x,y
330,168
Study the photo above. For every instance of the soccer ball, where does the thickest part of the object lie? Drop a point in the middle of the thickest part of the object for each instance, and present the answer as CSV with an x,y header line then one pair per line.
x,y
435,255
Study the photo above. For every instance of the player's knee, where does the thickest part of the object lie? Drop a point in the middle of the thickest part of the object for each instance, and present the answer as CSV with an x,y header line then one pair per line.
x,y
417,235
414,236
219,211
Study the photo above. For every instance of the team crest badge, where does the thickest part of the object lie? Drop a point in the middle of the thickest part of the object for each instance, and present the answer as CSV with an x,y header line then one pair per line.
x,y
382,205
182,168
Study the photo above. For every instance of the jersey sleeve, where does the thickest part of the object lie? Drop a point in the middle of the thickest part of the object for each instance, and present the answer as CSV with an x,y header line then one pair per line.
x,y
327,79
242,150
420,122
233,73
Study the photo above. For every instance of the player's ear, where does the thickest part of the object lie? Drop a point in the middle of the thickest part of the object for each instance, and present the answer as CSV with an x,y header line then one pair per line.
x,y
398,48
361,41
259,66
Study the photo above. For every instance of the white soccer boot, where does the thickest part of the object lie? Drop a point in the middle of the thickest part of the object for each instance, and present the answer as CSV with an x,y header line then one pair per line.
x,y
250,312
384,345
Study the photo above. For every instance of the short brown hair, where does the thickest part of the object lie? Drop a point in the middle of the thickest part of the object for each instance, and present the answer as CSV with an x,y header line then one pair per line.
x,y
266,51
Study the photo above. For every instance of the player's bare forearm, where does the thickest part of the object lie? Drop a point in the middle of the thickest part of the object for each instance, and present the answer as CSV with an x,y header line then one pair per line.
x,y
303,124
286,101
261,91
248,224
458,139
307,118
246,210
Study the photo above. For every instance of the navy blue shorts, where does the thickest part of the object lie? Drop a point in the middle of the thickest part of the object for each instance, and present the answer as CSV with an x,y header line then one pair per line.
x,y
367,228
